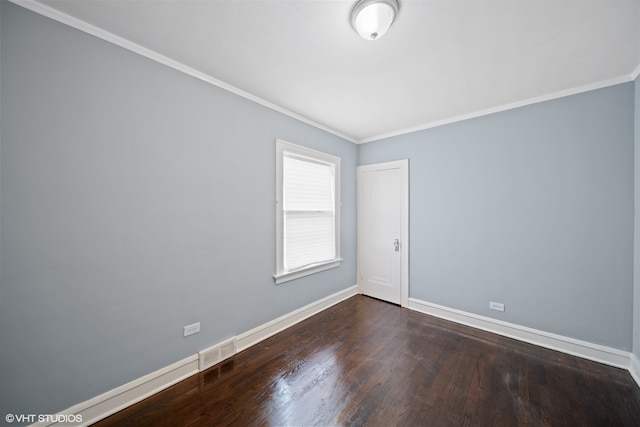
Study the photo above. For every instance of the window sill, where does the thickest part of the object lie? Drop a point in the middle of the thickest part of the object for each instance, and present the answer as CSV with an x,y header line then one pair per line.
x,y
292,275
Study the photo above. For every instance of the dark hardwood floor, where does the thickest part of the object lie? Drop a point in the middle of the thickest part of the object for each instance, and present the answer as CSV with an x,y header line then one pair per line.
x,y
366,362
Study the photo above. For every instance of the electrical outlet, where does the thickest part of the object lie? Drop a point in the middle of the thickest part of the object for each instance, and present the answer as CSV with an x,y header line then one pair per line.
x,y
191,329
496,306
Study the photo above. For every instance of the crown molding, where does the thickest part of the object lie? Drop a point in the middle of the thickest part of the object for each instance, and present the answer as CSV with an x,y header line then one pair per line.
x,y
509,106
78,24
98,32
635,73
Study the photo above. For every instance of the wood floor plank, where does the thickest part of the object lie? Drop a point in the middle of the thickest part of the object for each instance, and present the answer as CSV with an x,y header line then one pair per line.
x,y
364,362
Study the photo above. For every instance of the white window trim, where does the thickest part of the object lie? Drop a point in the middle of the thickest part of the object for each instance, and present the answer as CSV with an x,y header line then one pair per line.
x,y
282,276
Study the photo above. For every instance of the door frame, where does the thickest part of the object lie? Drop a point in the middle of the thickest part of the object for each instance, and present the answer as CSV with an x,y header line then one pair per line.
x,y
403,165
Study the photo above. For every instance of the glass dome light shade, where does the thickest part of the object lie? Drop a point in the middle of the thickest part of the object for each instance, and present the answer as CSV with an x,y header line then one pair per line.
x,y
372,18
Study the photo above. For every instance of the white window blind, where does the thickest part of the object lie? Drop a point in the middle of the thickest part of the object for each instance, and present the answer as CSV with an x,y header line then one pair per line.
x,y
309,212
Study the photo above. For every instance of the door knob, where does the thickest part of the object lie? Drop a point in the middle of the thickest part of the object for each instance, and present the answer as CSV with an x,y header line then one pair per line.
x,y
396,245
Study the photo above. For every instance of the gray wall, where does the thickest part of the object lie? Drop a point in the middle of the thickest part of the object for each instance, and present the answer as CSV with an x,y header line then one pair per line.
x,y
135,200
531,207
636,257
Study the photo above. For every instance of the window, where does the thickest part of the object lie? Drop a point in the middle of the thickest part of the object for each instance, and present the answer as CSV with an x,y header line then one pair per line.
x,y
307,211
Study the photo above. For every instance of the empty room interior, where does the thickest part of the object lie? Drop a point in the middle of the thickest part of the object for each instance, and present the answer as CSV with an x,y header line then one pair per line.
x,y
271,213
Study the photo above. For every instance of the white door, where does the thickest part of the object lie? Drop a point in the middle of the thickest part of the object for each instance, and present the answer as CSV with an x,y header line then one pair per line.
x,y
383,231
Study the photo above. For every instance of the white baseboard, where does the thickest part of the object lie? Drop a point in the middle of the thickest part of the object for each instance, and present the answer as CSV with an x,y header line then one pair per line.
x,y
100,407
634,368
586,350
262,332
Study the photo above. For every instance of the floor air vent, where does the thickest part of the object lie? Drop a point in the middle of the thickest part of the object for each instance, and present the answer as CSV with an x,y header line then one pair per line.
x,y
216,354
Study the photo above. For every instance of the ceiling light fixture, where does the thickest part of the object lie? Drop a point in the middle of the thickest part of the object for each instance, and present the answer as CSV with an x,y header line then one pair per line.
x,y
372,18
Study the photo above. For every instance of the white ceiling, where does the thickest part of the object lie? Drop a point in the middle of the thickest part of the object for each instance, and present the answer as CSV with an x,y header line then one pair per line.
x,y
441,60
